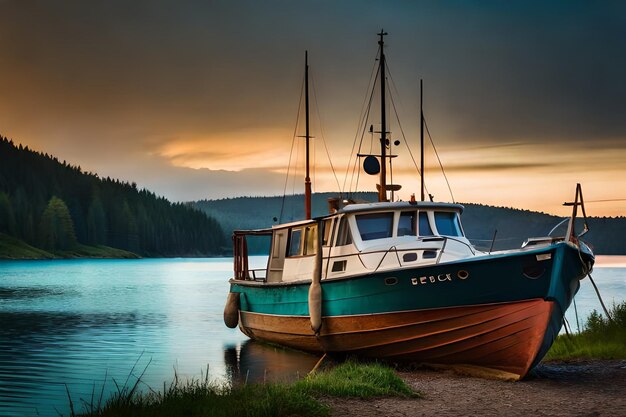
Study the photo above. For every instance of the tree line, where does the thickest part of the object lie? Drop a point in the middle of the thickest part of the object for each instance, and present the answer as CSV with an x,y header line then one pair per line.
x,y
607,235
55,206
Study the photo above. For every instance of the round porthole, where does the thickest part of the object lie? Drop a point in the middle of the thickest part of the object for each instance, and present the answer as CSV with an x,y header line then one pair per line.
x,y
462,274
391,281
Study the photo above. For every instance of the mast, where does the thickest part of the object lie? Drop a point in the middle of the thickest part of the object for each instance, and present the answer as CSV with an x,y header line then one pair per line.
x,y
307,178
382,191
422,137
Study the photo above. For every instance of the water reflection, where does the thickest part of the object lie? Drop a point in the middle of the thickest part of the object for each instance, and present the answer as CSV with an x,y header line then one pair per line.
x,y
73,322
9,293
252,361
21,325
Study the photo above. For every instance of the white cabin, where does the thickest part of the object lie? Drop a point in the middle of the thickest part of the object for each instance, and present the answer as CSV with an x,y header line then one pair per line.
x,y
364,238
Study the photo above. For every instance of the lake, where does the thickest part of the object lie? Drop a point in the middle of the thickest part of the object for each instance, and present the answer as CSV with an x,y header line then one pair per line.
x,y
76,322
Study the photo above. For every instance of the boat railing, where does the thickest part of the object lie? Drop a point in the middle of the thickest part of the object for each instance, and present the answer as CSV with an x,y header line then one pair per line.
x,y
395,250
469,246
240,255
441,251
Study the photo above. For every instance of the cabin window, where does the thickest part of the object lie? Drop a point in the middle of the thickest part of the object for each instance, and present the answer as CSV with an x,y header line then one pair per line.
x,y
447,224
375,225
328,232
310,237
406,223
295,243
425,229
343,233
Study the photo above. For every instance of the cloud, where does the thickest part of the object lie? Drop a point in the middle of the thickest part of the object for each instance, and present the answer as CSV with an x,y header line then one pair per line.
x,y
486,167
188,97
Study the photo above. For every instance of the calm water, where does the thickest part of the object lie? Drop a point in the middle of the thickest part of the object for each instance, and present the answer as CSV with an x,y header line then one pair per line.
x,y
73,322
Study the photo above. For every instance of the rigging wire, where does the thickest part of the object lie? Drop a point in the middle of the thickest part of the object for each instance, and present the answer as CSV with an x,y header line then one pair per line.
x,y
362,127
395,110
362,120
393,84
314,171
437,154
319,118
293,140
296,166
595,287
404,138
605,201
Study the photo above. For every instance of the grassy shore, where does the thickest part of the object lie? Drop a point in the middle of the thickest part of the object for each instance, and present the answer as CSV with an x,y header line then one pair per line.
x,y
12,248
602,338
204,398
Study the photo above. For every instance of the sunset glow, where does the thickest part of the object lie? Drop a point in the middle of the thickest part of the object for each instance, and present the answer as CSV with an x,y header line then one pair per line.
x,y
202,102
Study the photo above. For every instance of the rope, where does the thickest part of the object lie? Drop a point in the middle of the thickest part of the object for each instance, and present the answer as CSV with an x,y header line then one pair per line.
x,y
566,326
576,313
595,287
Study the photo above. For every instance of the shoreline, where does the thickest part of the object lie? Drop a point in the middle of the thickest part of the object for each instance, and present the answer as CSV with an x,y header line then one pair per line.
x,y
556,388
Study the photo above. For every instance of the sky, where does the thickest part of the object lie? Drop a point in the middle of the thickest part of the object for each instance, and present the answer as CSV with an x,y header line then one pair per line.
x,y
199,99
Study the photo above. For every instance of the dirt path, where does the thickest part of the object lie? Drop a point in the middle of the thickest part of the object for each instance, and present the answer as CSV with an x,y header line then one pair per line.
x,y
588,388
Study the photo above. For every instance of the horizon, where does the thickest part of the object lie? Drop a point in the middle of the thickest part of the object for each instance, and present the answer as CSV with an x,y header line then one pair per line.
x,y
297,194
523,99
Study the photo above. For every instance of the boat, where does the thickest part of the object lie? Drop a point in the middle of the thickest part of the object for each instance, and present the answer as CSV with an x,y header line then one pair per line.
x,y
399,281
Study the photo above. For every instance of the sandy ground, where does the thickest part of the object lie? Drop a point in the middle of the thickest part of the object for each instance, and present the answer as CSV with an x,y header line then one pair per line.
x,y
585,388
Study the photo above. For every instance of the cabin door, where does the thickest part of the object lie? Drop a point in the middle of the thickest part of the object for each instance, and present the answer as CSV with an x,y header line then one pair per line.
x,y
277,257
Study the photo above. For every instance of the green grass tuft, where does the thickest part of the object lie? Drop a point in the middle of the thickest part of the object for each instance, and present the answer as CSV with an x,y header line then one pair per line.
x,y
205,398
601,338
353,379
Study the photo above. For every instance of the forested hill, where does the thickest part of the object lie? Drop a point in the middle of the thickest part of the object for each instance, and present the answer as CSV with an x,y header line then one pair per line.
x,y
51,205
607,235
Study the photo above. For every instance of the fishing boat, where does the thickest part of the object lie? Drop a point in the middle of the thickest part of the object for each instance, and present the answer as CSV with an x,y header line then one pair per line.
x,y
400,281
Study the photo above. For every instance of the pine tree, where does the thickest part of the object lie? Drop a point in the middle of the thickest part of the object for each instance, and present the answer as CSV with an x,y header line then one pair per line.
x,y
56,229
96,222
7,218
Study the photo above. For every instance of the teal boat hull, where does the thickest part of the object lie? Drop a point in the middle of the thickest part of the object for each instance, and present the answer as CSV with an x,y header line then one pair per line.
x,y
510,286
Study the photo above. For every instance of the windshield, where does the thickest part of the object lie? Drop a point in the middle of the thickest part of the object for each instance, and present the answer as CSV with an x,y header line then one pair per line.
x,y
425,229
406,223
447,224
375,225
